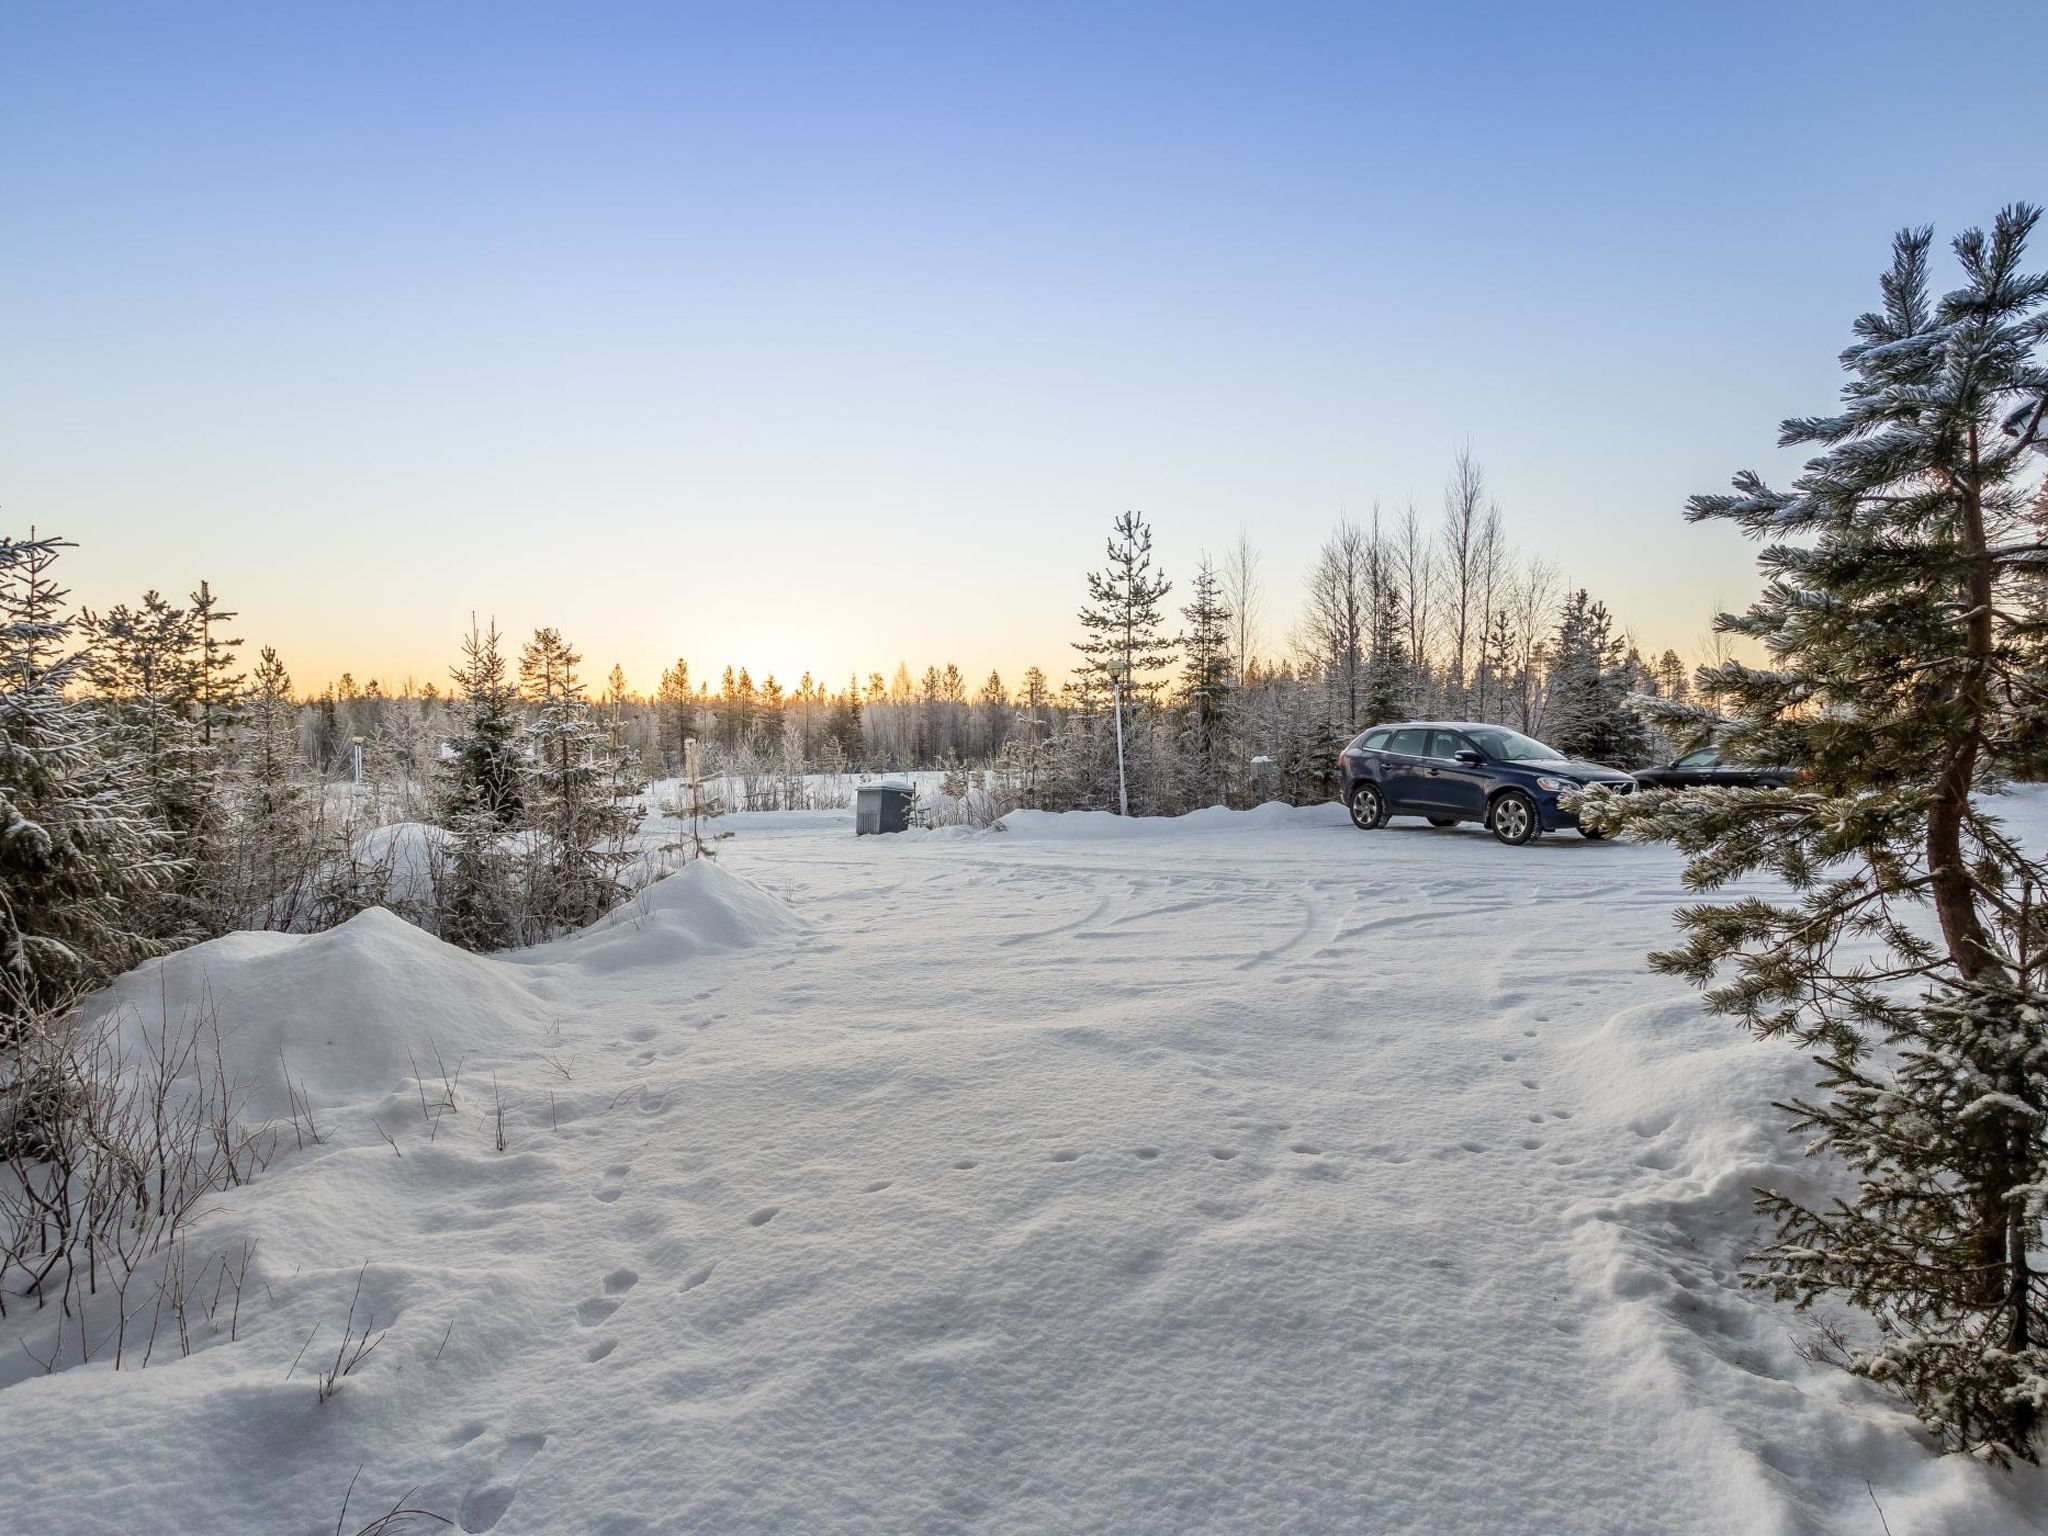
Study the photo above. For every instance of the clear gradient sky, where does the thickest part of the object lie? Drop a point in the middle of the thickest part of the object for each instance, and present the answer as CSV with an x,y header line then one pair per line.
x,y
827,335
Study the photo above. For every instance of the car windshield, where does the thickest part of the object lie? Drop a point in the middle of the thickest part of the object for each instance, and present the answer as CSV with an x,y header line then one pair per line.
x,y
1512,747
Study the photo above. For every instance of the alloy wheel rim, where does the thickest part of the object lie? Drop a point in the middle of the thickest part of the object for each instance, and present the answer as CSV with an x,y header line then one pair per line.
x,y
1513,817
1364,807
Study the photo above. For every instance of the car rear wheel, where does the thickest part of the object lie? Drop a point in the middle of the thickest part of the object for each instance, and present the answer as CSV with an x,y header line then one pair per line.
x,y
1368,808
1443,821
1514,818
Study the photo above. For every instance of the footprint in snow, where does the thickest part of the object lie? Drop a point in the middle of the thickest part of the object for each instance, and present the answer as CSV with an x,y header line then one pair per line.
x,y
763,1216
485,1505
595,1309
613,1184
1066,1157
1144,1154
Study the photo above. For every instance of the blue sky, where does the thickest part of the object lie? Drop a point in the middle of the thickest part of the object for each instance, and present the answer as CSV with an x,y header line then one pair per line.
x,y
823,336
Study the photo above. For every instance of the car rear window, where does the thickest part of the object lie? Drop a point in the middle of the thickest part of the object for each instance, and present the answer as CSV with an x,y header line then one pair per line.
x,y
1410,743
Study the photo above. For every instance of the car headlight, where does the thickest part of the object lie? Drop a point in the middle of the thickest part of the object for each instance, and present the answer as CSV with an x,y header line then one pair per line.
x,y
1554,785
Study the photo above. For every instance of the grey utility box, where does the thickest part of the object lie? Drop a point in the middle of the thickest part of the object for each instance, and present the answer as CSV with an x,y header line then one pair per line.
x,y
882,808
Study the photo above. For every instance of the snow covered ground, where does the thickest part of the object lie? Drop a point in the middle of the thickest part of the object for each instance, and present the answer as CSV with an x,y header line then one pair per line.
x,y
1243,1173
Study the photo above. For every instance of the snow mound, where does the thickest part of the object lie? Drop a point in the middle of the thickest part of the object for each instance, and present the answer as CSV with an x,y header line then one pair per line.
x,y
338,1010
1096,826
700,909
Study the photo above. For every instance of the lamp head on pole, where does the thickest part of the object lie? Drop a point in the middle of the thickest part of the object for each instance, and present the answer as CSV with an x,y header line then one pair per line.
x,y
1116,671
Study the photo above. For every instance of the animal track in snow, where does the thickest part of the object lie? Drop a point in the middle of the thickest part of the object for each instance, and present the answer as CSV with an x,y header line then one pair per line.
x,y
877,1187
1306,1149
1144,1154
697,1277
1064,1156
965,1163
613,1184
653,1100
1223,1154
600,1349
620,1281
763,1216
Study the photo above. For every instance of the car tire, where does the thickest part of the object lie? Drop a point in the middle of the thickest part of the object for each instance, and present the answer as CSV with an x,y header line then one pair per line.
x,y
1514,819
1443,821
1368,807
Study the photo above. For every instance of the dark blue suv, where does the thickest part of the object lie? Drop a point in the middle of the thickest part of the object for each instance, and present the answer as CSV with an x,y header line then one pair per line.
x,y
1452,771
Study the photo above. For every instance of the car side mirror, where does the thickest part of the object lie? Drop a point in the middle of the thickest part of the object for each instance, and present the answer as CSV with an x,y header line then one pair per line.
x,y
1468,757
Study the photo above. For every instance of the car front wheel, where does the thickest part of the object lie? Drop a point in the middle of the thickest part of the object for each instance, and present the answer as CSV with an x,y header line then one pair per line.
x,y
1514,818
1368,808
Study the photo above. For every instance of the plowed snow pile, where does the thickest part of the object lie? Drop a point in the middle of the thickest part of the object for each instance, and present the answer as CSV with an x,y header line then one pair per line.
x,y
1244,1173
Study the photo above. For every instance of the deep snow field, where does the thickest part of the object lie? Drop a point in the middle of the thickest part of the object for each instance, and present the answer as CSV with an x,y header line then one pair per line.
x,y
1241,1173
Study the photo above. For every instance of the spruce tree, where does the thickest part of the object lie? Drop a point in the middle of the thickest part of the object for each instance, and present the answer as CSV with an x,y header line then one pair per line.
x,y
570,795
1389,674
1901,675
483,775
1590,714
1207,671
79,851
146,673
273,830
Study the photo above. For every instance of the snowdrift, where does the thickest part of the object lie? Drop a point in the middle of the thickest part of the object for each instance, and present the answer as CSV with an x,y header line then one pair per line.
x,y
338,1010
701,909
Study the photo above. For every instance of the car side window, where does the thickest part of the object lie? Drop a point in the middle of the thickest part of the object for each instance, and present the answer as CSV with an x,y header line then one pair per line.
x,y
1376,741
1447,744
1706,757
1410,743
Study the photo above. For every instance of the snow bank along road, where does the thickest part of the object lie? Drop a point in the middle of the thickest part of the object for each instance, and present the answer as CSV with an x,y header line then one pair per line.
x,y
1243,1173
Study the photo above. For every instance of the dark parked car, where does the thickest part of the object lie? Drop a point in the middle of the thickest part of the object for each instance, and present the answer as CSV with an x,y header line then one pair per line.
x,y
1451,771
1705,768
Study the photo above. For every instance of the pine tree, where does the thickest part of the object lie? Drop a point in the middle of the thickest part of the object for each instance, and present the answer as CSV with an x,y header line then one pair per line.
x,y
79,851
674,706
1122,617
1901,678
218,684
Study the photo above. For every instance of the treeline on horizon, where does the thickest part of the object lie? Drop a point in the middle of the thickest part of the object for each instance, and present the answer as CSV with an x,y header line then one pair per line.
x,y
1407,618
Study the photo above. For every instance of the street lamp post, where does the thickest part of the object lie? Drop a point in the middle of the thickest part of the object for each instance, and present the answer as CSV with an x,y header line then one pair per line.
x,y
1118,671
